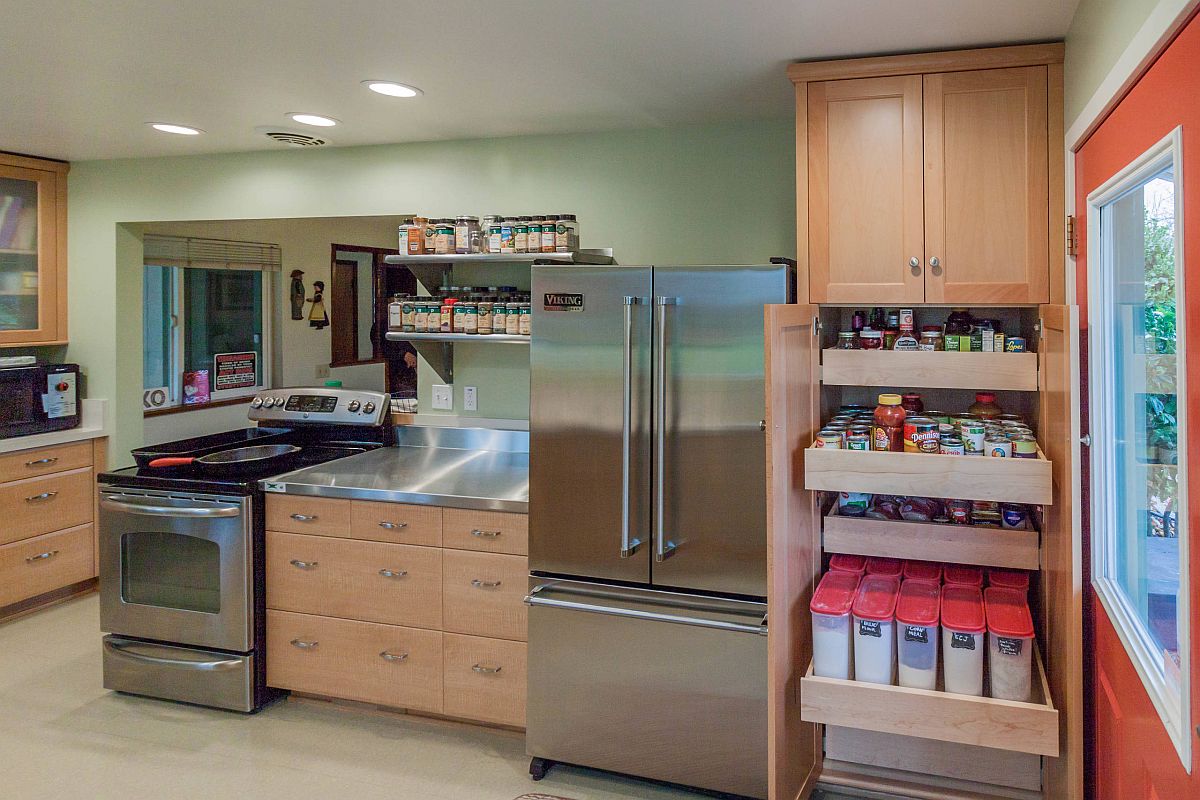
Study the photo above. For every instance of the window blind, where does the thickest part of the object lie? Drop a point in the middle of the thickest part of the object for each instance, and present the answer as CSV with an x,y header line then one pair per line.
x,y
187,251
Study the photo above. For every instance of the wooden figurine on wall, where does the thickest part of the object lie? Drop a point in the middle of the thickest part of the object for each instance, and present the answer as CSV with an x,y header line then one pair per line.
x,y
297,294
317,317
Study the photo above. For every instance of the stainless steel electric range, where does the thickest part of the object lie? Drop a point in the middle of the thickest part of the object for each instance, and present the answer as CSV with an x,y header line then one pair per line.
x,y
182,543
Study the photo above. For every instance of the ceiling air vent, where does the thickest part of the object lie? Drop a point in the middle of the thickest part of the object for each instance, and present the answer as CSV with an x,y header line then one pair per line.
x,y
294,139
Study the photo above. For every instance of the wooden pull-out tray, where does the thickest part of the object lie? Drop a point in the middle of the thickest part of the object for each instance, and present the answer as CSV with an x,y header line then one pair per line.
x,y
936,370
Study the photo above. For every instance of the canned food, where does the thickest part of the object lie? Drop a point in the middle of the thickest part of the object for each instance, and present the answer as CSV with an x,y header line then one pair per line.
x,y
858,441
986,519
952,446
973,435
1004,419
1014,517
1014,344
959,511
853,504
921,435
938,416
829,440
999,448
1025,447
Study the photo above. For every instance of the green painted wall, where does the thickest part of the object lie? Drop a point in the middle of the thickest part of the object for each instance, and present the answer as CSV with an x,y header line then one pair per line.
x,y
1100,31
715,193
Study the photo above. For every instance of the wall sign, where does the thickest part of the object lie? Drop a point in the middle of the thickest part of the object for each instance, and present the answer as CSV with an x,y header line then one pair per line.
x,y
235,370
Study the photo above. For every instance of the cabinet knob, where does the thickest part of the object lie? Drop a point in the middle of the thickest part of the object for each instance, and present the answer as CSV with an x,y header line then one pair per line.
x,y
914,262
935,263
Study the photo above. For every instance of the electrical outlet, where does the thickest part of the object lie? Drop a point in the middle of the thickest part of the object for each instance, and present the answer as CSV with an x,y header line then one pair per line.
x,y
443,396
470,399
322,371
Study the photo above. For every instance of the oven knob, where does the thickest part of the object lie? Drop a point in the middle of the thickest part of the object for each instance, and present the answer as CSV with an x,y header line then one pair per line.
x,y
268,402
353,406
256,402
279,401
62,386
369,408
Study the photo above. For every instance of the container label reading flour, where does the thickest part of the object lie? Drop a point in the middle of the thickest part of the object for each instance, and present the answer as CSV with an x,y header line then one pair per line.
x,y
962,641
560,301
869,627
916,633
1009,647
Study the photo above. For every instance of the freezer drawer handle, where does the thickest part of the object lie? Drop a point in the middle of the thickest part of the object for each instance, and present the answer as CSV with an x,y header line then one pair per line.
x,y
41,556
393,573
304,517
125,651
298,564
483,670
206,512
628,546
663,549
41,462
393,657
393,526
719,624
37,498
478,584
300,644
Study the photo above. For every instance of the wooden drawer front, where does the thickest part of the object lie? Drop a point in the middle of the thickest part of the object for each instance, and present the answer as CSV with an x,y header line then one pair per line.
x,y
484,679
45,563
492,531
318,515
396,522
49,503
484,593
363,661
346,578
44,460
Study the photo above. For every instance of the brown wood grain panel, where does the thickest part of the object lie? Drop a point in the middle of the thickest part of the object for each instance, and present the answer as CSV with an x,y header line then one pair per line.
x,y
490,531
321,516
483,594
484,679
48,503
937,370
395,522
44,563
45,460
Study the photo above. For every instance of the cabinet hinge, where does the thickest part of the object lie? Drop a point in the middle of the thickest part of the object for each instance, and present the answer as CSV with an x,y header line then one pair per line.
x,y
817,326
1072,237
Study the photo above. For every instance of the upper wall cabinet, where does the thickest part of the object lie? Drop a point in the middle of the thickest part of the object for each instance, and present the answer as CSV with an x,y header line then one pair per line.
x,y
33,251
922,180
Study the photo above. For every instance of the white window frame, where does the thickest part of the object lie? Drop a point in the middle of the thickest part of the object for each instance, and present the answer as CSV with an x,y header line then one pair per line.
x,y
1173,707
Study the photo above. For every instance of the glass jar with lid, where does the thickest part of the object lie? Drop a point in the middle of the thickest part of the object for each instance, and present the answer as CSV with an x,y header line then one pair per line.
x,y
871,339
931,338
549,231
507,231
521,235
848,340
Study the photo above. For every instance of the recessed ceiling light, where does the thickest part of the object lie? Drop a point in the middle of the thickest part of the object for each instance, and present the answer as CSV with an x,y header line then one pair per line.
x,y
168,127
392,89
313,119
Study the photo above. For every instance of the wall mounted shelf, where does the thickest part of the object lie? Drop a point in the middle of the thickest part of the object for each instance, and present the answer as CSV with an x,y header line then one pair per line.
x,y
433,270
438,348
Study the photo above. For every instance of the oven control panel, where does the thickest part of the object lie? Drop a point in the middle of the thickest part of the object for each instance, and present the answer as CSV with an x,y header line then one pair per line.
x,y
328,405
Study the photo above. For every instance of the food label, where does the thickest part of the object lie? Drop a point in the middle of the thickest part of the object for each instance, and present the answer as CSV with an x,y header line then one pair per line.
x,y
1009,647
880,440
916,633
962,641
869,627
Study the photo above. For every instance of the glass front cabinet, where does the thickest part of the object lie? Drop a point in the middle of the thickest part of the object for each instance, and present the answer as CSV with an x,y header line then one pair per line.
x,y
33,251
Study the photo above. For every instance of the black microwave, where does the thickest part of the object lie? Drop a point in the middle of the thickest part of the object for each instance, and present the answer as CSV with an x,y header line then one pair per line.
x,y
38,399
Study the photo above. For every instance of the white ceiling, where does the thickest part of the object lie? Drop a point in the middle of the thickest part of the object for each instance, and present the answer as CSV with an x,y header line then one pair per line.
x,y
78,80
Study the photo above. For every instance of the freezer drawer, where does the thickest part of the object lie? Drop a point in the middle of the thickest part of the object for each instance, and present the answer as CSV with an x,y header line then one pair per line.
x,y
168,672
654,684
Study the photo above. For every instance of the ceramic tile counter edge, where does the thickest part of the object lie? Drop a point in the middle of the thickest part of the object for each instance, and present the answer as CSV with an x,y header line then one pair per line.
x,y
91,426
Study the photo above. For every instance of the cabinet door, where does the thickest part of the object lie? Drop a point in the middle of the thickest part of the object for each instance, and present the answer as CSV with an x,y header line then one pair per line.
x,y
32,253
864,191
986,187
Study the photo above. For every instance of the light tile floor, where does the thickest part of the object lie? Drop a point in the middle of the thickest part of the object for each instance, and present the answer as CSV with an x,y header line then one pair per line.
x,y
63,735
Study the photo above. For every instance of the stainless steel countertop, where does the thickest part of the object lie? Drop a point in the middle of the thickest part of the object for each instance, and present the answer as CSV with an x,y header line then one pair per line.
x,y
488,480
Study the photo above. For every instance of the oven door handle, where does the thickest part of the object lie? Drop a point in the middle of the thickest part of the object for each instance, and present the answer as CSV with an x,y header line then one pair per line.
x,y
128,651
206,512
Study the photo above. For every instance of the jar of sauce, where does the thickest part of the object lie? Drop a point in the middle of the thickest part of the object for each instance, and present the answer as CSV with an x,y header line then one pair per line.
x,y
912,404
931,338
887,430
985,406
871,340
848,340
890,334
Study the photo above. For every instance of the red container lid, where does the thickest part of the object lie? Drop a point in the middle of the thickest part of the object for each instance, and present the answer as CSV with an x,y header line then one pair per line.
x,y
920,603
1009,578
844,562
962,609
963,575
890,567
1008,613
876,597
923,571
835,594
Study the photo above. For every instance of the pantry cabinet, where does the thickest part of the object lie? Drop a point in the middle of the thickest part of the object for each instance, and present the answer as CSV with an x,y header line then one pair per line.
x,y
929,180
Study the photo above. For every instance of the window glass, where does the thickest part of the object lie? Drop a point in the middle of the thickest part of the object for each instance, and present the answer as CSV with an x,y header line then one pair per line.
x,y
158,293
223,314
18,255
169,570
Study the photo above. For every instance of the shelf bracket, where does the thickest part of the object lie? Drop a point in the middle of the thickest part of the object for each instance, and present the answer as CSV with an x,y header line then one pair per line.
x,y
439,356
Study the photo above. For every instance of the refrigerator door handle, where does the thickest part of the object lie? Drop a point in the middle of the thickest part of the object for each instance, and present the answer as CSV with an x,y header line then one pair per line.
x,y
535,599
662,548
628,546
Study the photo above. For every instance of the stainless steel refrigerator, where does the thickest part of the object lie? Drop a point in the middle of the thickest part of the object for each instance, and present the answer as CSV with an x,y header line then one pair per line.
x,y
647,619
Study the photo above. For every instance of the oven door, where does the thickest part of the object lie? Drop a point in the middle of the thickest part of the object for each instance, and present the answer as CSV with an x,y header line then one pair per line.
x,y
177,568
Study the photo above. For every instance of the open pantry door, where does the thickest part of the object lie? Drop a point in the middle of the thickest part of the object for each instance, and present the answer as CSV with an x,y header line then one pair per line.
x,y
793,543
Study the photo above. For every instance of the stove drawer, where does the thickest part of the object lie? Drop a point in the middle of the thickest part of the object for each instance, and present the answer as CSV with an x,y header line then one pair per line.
x,y
484,593
395,584
396,522
484,679
45,563
49,503
363,661
322,516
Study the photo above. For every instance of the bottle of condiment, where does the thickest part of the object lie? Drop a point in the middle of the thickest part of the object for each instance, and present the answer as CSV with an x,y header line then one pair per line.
x,y
858,321
887,430
985,406
912,403
871,339
905,340
931,338
549,229
959,321
889,338
878,319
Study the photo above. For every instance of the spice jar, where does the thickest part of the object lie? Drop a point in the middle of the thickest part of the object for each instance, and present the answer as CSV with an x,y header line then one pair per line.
x,y
443,242
470,317
459,320
408,313
931,338
512,322
521,235
485,316
446,321
499,317
525,320
848,340
507,232
871,340
416,236
549,229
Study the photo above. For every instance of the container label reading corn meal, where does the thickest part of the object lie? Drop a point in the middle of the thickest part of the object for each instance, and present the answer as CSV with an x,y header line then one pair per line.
x,y
869,627
916,633
962,641
1009,647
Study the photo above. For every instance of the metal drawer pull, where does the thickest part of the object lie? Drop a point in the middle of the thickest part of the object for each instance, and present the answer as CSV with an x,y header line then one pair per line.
x,y
298,564
37,498
480,668
393,526
304,517
41,556
485,534
393,573
303,645
478,584
386,656
41,461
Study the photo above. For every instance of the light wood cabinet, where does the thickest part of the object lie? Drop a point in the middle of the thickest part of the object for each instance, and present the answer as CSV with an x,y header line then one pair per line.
x,y
929,187
33,251
485,679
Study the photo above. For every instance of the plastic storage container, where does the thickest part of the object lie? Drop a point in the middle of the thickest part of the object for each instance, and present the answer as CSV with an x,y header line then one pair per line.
x,y
830,608
844,562
888,567
963,626
1009,579
963,575
1010,644
923,571
874,638
918,611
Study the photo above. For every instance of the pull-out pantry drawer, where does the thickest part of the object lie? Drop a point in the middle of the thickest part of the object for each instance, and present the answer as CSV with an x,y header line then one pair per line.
x,y
490,531
35,506
45,563
371,581
396,522
484,679
44,460
484,594
364,661
322,516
